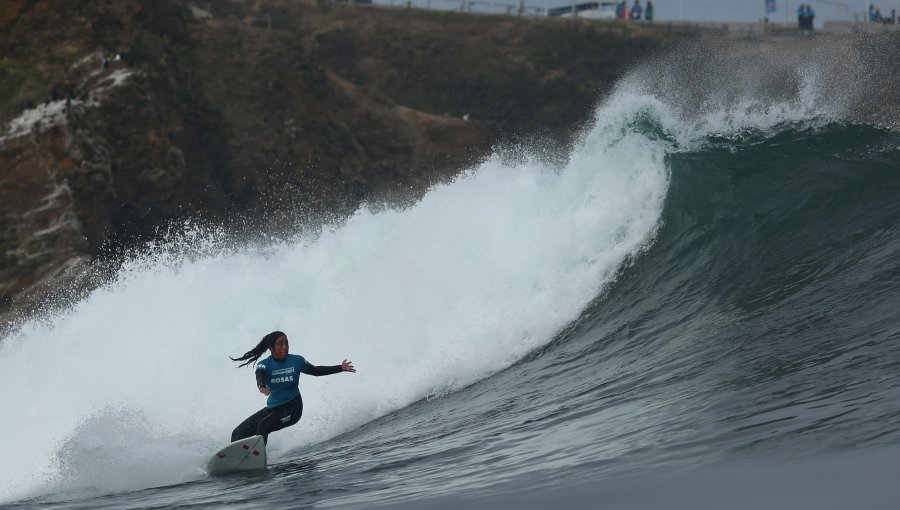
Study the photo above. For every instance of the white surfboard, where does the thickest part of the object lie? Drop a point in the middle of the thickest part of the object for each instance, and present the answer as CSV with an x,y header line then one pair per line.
x,y
243,455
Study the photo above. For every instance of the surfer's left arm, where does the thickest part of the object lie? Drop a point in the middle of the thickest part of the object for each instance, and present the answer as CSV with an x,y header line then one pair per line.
x,y
345,366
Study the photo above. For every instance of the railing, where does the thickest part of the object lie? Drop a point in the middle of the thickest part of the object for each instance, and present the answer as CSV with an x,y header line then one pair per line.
x,y
482,6
519,8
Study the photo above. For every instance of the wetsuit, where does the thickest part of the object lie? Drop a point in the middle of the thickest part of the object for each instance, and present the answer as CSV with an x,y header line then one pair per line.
x,y
284,405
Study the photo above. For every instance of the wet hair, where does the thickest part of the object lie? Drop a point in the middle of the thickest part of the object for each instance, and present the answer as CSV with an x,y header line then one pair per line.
x,y
255,353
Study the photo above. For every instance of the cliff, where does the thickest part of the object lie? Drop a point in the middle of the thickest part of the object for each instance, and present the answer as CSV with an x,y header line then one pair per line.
x,y
117,118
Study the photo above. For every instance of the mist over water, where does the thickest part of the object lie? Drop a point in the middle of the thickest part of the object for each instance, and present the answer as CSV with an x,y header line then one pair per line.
x,y
425,300
667,297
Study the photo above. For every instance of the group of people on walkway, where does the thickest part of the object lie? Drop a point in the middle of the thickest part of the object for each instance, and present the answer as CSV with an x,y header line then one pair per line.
x,y
805,16
875,16
636,12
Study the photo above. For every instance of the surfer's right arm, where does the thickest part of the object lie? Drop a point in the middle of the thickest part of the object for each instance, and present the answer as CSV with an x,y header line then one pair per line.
x,y
261,381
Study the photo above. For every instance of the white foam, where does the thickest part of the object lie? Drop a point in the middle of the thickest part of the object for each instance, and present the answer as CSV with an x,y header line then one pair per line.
x,y
423,300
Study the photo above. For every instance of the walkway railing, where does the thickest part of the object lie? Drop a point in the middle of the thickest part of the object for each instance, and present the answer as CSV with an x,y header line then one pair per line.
x,y
481,6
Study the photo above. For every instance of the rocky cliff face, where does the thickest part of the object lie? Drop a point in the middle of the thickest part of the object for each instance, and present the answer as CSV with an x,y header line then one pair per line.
x,y
119,117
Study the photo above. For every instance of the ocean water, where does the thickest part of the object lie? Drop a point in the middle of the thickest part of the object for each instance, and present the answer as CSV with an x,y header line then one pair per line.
x,y
697,309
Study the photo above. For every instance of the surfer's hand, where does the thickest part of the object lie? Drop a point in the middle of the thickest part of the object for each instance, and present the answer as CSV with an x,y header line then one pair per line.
x,y
264,390
347,366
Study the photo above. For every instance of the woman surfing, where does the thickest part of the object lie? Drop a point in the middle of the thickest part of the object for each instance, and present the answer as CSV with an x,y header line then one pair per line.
x,y
278,377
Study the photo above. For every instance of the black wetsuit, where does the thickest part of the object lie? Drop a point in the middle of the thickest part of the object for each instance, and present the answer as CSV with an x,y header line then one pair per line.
x,y
269,419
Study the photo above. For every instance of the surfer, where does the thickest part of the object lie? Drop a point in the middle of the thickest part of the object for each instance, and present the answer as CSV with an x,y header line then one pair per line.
x,y
278,377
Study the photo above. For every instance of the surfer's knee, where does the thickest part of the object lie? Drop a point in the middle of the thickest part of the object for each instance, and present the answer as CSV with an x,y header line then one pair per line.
x,y
242,431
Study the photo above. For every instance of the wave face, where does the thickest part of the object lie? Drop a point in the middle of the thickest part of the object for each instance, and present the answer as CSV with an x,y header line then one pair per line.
x,y
709,284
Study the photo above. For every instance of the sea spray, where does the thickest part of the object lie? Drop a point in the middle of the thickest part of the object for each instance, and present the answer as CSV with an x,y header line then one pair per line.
x,y
132,386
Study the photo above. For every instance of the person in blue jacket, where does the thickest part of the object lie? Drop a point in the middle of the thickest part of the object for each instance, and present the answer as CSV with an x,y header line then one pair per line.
x,y
805,16
636,10
278,377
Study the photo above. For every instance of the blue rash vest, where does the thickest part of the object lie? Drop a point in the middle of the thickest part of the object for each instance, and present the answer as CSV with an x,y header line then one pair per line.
x,y
283,378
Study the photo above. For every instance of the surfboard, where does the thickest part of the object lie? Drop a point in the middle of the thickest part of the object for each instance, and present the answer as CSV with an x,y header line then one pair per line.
x,y
242,455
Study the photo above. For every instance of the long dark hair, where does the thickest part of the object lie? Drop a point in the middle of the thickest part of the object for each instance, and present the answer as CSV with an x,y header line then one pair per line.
x,y
254,354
